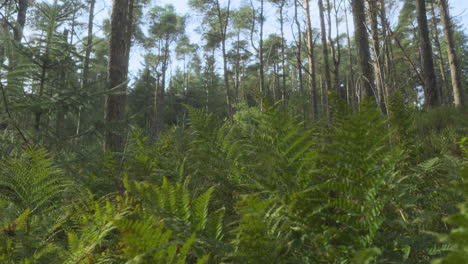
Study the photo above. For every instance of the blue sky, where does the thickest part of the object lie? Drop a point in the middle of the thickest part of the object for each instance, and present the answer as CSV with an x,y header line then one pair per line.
x,y
459,10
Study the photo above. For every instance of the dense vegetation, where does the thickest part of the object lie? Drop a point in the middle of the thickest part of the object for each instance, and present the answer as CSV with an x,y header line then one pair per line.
x,y
315,149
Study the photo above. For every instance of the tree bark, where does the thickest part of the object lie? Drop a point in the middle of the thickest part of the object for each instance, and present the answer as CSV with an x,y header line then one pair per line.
x,y
326,65
377,62
366,78
86,61
310,55
335,49
352,89
458,93
223,24
299,49
117,76
20,20
283,54
429,77
443,90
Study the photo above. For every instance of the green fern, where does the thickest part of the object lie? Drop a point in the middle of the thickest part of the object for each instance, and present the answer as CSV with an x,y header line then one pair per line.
x,y
180,212
32,181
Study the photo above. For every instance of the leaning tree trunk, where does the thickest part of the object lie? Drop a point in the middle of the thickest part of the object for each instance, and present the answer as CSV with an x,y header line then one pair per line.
x,y
458,93
117,77
429,77
366,76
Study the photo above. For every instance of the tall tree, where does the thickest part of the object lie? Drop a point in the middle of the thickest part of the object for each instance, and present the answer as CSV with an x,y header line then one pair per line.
x,y
119,43
166,27
443,90
20,19
429,77
335,45
377,61
458,93
299,47
220,25
326,64
86,60
259,49
351,89
310,56
366,78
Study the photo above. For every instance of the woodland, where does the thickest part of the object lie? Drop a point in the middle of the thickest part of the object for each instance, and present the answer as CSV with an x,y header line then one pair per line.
x,y
253,131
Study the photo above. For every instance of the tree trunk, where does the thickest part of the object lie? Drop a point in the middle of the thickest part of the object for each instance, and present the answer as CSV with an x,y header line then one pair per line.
x,y
299,53
443,90
366,76
429,77
237,69
117,76
458,93
86,61
335,49
223,24
326,66
283,54
388,51
352,89
20,20
378,73
310,55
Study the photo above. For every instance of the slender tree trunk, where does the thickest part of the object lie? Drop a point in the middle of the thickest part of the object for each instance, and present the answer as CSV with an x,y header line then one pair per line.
x,y
430,82
276,89
299,54
378,73
20,20
387,46
64,81
443,86
237,70
335,49
42,83
260,50
86,61
160,92
352,89
17,36
366,76
156,107
283,54
310,55
326,65
129,28
458,92
223,24
117,76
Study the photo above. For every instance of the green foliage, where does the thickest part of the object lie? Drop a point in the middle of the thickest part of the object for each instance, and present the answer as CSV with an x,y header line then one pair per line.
x,y
261,188
457,239
31,181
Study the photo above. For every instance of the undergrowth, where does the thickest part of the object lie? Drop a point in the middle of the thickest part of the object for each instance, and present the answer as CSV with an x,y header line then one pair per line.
x,y
261,188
